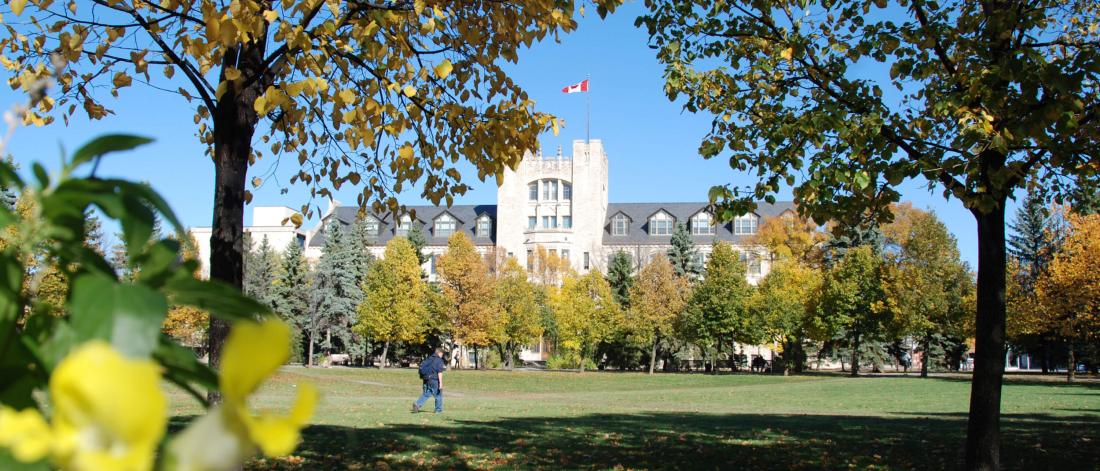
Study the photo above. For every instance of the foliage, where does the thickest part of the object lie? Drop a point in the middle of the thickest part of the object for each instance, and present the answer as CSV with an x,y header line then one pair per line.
x,y
585,313
683,253
547,268
393,309
102,364
335,294
472,318
843,101
718,307
620,275
851,305
291,296
569,361
658,298
790,236
782,304
1031,243
261,267
416,238
517,300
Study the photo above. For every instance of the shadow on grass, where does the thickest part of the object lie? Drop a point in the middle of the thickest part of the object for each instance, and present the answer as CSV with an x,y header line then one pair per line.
x,y
693,441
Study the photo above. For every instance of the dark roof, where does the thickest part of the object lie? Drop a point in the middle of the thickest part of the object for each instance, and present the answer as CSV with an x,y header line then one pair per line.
x,y
639,213
466,216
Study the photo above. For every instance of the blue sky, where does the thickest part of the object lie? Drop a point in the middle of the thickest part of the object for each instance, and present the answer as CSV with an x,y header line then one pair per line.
x,y
651,143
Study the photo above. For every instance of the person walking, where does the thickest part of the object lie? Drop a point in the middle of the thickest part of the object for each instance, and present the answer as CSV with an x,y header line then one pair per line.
x,y
431,373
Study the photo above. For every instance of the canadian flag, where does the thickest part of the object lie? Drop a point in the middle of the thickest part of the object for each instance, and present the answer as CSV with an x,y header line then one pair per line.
x,y
577,87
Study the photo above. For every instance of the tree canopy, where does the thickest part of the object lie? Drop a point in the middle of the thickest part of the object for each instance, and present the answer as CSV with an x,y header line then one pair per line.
x,y
394,308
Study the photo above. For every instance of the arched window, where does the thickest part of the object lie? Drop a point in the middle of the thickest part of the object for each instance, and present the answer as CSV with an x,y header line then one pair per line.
x,y
702,224
660,224
444,226
745,225
619,225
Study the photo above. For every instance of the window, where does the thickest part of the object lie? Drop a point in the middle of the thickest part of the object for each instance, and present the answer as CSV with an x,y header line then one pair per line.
x,y
566,191
371,225
549,222
533,191
553,184
532,221
484,226
432,261
619,225
586,264
660,224
444,226
530,259
546,190
745,225
403,226
752,263
567,222
565,254
702,224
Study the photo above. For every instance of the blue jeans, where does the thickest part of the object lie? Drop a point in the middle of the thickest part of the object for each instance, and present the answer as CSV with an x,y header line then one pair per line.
x,y
431,389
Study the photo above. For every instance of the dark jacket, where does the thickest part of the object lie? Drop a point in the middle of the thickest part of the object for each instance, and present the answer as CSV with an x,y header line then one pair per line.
x,y
430,369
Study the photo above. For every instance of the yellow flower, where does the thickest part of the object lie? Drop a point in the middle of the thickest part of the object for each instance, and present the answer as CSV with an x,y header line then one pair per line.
x,y
26,433
230,433
109,412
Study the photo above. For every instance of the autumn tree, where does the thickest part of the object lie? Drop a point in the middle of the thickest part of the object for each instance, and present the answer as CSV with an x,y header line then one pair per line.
x,y
791,236
971,96
683,254
717,310
928,288
521,319
782,304
393,309
585,313
186,324
658,298
1068,294
379,94
548,267
473,320
852,303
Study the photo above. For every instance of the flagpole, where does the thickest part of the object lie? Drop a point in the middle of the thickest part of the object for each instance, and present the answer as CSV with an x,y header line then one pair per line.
x,y
587,113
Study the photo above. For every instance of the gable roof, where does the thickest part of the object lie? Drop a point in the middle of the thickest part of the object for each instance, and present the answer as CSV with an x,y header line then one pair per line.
x,y
462,213
638,214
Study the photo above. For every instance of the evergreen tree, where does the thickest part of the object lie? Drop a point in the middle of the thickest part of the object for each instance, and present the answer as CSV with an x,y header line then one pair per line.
x,y
260,269
291,294
620,275
335,294
360,246
416,238
1029,242
682,254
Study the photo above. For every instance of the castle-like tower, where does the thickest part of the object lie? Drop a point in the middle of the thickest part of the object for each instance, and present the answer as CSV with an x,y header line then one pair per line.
x,y
556,202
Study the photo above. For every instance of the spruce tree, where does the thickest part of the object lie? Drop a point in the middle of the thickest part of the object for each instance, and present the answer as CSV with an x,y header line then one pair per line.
x,y
682,254
291,294
261,266
335,293
1029,243
416,237
360,242
620,275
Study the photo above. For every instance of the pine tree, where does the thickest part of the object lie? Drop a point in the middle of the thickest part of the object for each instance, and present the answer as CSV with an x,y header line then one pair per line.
x,y
335,294
360,243
1029,243
291,294
620,275
416,238
260,269
683,254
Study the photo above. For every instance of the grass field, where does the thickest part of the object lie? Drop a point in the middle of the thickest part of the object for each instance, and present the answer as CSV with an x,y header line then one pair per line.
x,y
555,420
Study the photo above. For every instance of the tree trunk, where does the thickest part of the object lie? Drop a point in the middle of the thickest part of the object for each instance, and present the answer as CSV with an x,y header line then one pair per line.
x,y
1044,352
1071,367
855,356
653,354
924,357
309,361
983,427
234,125
385,354
717,356
583,356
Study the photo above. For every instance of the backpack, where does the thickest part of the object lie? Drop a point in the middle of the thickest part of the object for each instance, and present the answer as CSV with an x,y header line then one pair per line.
x,y
426,369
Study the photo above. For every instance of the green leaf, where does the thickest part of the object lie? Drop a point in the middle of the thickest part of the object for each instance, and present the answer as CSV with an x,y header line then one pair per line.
x,y
8,462
128,315
106,144
862,180
215,297
182,368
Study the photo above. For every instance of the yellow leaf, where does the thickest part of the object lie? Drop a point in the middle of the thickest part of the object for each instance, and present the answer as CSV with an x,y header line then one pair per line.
x,y
222,87
409,91
231,73
260,105
271,16
17,6
787,53
555,122
122,80
257,181
405,155
444,69
347,95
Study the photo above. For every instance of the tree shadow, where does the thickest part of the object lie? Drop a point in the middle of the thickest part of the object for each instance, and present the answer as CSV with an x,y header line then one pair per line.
x,y
693,441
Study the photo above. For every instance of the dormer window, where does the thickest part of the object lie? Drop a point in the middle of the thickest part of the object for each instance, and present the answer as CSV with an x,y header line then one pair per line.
x,y
619,225
702,224
745,224
660,224
444,225
403,225
484,226
371,225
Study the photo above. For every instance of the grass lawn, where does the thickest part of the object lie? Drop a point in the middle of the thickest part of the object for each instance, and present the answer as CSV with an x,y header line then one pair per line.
x,y
555,420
